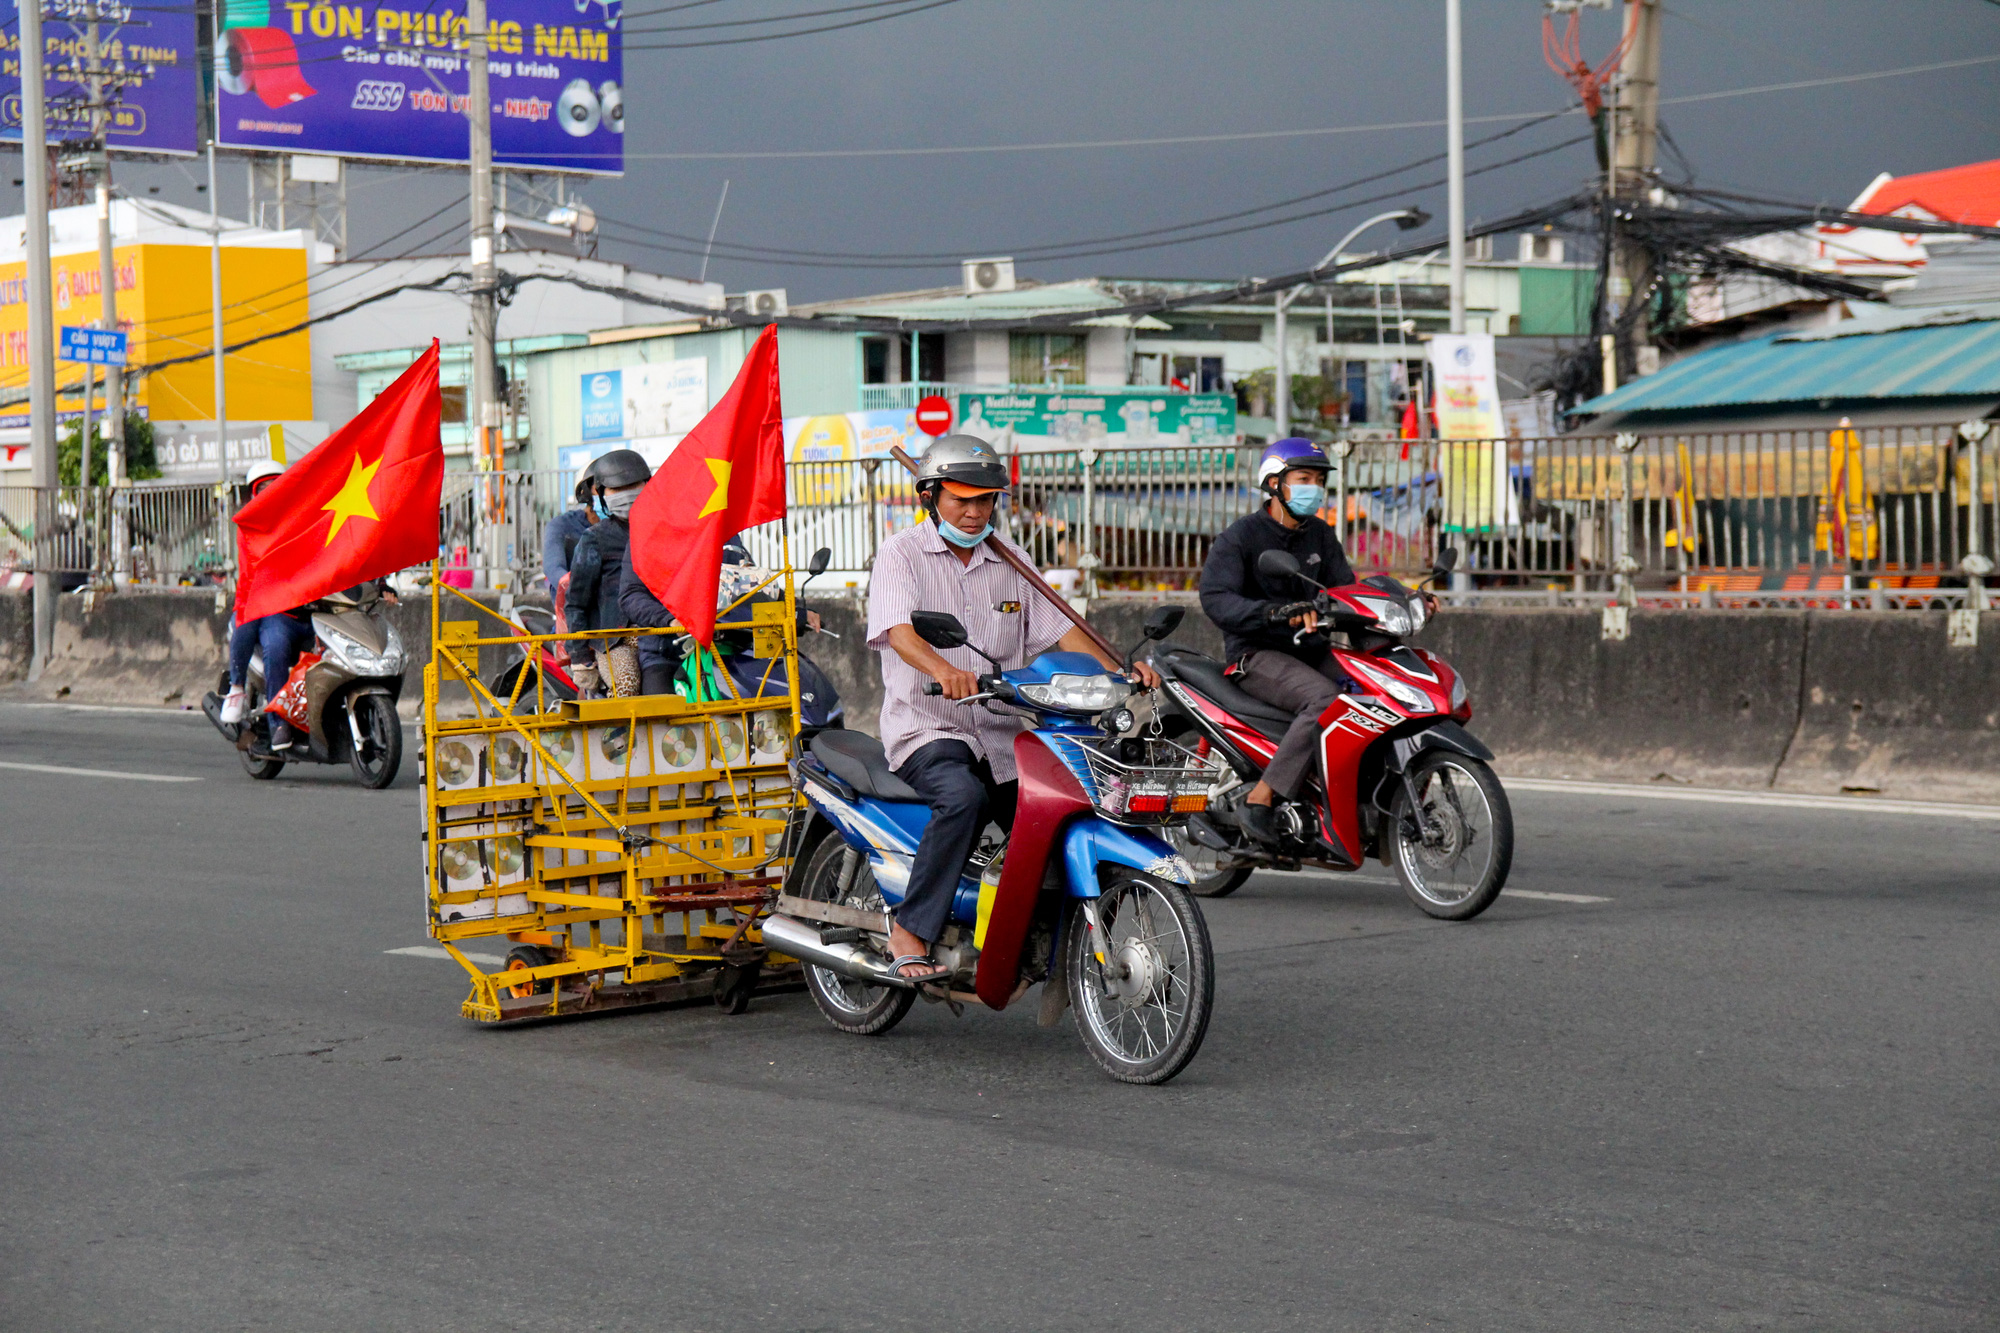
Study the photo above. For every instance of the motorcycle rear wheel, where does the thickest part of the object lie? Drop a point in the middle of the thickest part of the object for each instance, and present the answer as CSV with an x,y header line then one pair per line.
x,y
1143,1010
259,768
1458,863
380,753
850,1005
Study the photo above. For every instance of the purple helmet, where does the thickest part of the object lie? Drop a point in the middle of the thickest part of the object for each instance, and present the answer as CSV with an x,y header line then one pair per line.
x,y
1284,455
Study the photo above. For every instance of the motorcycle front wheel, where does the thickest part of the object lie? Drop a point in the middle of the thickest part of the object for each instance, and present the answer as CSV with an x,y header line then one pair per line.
x,y
380,753
1453,850
1214,878
1143,993
850,1005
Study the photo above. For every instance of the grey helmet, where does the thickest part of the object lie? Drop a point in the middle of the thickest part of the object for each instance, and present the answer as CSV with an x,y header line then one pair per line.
x,y
618,469
965,463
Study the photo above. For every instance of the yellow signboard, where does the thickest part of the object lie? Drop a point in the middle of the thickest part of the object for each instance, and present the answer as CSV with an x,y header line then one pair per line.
x,y
163,303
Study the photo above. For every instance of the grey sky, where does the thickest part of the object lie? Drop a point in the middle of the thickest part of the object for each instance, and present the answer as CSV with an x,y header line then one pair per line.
x,y
1010,71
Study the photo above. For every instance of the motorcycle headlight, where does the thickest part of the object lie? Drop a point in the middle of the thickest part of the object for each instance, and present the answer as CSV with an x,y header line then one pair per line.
x,y
1409,696
1457,693
1392,615
356,657
1417,614
1078,694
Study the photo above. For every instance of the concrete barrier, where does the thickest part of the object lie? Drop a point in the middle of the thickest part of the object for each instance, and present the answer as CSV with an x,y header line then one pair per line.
x,y
1798,700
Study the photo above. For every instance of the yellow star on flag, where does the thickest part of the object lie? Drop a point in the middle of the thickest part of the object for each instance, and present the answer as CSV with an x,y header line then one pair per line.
x,y
719,501
353,501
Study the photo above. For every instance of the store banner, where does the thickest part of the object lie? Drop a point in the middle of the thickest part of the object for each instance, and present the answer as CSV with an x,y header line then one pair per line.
x,y
1066,418
378,81
152,48
1472,447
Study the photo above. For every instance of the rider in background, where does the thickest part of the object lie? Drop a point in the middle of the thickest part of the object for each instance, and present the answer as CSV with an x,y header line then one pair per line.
x,y
1258,630
597,571
282,637
564,531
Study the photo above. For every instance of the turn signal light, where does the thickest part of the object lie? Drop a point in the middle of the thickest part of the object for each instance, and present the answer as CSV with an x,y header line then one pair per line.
x,y
1159,804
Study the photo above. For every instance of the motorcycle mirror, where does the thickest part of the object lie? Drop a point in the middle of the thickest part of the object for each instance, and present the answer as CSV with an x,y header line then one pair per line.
x,y
1447,560
821,559
1164,620
939,629
1278,564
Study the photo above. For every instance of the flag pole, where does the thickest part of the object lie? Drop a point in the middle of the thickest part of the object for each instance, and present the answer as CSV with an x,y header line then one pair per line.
x,y
791,621
1028,572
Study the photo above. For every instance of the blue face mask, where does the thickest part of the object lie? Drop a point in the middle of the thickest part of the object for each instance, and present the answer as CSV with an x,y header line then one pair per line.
x,y
1305,500
963,539
597,507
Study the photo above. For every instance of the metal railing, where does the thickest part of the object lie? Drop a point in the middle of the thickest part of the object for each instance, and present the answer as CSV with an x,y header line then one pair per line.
x,y
1726,519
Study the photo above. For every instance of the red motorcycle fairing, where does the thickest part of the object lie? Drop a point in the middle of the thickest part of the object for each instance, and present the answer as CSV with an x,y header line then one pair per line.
x,y
1049,796
1347,728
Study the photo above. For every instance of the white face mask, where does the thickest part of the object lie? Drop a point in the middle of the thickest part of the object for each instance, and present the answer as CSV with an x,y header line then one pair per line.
x,y
620,502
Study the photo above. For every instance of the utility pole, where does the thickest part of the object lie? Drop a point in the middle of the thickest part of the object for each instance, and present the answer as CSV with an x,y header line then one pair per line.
x,y
1454,73
107,267
485,415
1634,130
41,326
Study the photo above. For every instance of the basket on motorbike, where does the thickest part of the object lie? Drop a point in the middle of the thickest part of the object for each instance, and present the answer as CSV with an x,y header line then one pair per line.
x,y
1144,779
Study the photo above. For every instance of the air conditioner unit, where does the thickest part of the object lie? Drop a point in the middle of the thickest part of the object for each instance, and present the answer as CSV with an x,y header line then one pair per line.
x,y
768,304
988,275
1479,247
1540,249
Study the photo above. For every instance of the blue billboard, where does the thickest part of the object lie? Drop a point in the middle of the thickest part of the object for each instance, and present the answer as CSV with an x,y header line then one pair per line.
x,y
368,80
603,406
152,50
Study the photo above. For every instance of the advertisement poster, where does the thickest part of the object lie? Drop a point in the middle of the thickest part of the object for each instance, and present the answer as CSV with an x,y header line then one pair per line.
x,y
647,401
367,80
842,437
1472,449
1065,419
154,50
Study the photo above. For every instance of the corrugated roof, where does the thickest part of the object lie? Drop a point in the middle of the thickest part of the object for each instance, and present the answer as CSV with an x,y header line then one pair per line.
x,y
1935,361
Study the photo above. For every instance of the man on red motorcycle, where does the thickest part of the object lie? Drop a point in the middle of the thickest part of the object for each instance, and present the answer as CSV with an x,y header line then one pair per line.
x,y
1261,630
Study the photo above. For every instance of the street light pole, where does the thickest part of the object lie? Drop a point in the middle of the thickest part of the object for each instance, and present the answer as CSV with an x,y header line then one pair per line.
x,y
1454,73
41,325
485,415
1405,219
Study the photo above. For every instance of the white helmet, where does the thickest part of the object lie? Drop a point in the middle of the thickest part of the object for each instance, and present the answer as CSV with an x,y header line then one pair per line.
x,y
262,471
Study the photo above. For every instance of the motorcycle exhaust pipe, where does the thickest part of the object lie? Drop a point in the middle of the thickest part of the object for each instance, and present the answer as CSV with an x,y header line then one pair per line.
x,y
801,939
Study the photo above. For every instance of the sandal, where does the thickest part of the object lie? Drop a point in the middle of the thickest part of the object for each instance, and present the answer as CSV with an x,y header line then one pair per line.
x,y
938,974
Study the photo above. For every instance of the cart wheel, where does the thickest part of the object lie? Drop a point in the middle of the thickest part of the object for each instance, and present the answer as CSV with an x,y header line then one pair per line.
x,y
519,959
735,984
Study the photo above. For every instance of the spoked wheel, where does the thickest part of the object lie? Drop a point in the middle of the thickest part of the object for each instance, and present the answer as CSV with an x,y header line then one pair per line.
x,y
1454,850
850,1005
1143,992
380,752
1215,874
519,959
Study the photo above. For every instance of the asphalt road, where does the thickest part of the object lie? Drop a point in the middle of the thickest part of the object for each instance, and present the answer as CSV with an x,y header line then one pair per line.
x,y
1753,1088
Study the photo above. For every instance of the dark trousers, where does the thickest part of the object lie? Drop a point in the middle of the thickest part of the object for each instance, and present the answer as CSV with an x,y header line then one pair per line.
x,y
282,639
1283,681
960,790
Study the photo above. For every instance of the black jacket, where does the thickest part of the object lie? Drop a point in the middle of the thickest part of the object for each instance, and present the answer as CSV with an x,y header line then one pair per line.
x,y
596,573
1235,596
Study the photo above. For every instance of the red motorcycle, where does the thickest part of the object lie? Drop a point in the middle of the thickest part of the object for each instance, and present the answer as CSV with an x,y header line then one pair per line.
x,y
1399,776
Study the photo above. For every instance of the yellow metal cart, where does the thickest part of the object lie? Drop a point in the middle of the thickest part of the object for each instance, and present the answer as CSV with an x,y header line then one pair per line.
x,y
626,846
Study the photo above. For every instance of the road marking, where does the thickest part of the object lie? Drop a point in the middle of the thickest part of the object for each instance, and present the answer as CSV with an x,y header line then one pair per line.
x,y
162,710
432,951
1553,897
1862,804
96,773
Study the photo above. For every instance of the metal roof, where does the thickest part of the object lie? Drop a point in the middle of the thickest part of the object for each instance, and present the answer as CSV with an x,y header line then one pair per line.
x,y
1932,361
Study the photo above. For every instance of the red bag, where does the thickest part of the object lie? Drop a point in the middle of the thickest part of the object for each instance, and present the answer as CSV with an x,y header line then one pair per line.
x,y
290,702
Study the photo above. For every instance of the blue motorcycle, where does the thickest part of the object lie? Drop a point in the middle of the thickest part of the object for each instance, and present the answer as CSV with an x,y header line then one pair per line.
x,y
1081,896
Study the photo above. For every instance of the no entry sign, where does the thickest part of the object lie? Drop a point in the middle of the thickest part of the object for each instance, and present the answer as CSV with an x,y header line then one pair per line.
x,y
934,415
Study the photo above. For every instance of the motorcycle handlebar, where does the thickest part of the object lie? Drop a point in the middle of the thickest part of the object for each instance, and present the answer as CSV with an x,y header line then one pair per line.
x,y
987,685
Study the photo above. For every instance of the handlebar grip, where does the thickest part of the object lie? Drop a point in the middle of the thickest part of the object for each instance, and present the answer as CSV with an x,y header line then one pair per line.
x,y
932,687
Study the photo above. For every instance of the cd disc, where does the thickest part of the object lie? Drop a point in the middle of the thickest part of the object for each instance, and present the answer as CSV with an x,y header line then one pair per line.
x,y
577,108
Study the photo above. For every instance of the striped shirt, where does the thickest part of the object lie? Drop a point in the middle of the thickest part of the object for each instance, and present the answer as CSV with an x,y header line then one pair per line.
x,y
916,571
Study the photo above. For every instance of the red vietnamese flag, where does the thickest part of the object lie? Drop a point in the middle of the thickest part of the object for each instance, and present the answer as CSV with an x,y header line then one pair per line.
x,y
361,505
726,475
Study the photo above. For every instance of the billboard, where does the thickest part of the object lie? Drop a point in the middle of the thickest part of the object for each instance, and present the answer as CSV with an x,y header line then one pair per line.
x,y
1472,455
374,80
1067,418
154,47
645,400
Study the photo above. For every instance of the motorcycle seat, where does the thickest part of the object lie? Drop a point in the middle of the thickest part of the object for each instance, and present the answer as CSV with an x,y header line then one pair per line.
x,y
1204,675
858,759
